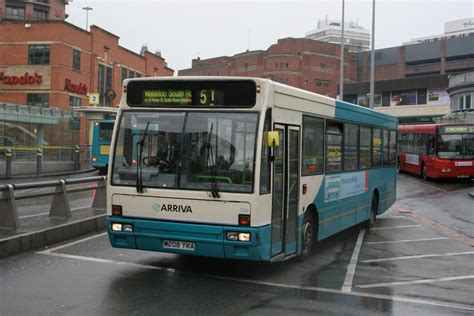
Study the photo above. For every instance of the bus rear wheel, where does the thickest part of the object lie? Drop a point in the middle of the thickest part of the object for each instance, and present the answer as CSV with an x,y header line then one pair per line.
x,y
374,205
307,237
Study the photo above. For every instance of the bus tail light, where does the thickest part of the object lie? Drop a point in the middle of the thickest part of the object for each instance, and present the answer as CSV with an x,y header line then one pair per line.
x,y
116,210
244,220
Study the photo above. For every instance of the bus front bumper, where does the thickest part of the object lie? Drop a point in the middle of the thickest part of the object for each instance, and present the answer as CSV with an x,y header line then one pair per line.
x,y
191,239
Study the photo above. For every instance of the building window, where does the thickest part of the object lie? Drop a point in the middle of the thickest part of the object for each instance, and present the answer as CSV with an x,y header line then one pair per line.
x,y
131,74
124,73
101,84
38,99
38,54
74,101
108,86
76,59
138,75
13,13
39,15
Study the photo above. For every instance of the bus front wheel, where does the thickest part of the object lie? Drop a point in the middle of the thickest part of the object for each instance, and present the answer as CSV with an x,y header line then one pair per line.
x,y
307,237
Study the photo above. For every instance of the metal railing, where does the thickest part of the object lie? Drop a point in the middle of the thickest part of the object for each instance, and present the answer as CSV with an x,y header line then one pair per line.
x,y
461,79
60,206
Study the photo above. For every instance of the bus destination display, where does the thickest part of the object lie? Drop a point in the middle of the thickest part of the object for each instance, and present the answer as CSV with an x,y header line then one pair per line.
x,y
205,97
458,129
191,93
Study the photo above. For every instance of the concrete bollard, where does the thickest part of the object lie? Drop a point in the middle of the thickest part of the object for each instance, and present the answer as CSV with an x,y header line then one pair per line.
x,y
99,203
60,206
8,211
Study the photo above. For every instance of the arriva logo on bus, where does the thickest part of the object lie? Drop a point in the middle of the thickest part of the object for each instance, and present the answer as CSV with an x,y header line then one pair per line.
x,y
157,207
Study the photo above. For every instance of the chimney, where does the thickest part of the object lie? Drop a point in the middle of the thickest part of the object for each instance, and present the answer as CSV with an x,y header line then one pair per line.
x,y
158,52
144,49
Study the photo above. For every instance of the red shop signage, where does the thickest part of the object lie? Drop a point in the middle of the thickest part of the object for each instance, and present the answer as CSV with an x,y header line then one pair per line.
x,y
25,79
75,88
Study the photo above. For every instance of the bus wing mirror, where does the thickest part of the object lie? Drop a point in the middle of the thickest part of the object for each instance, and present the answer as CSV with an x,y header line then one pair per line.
x,y
273,139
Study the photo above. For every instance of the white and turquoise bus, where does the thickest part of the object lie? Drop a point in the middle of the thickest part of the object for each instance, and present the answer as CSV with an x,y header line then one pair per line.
x,y
243,168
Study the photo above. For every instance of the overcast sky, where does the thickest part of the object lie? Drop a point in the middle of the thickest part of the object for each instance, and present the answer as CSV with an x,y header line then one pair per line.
x,y
184,30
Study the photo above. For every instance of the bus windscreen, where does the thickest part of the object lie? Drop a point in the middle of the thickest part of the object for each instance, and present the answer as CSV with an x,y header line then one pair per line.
x,y
189,93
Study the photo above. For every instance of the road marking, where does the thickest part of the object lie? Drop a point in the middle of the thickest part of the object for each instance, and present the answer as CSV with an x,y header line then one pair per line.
x,y
286,286
420,256
391,217
442,229
422,281
403,240
391,227
425,184
347,286
74,242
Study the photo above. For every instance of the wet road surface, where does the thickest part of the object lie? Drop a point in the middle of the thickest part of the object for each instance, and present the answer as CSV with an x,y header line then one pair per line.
x,y
398,267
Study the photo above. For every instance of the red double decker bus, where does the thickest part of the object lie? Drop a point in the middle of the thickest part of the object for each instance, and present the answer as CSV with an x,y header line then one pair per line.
x,y
444,150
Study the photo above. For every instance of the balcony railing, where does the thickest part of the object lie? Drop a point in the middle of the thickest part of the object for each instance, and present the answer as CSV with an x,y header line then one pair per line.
x,y
463,79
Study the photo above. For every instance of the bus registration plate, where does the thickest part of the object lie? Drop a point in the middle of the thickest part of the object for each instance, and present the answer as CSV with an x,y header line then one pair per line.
x,y
177,244
463,163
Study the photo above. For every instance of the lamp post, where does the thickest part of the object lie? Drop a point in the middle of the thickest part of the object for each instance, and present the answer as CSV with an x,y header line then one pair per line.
x,y
87,16
372,60
341,70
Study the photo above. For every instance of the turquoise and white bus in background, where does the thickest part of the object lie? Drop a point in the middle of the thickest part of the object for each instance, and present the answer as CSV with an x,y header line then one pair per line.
x,y
101,139
262,170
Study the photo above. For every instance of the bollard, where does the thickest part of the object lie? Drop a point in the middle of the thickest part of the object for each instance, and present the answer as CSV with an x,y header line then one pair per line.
x,y
77,153
8,162
39,161
60,206
99,203
9,214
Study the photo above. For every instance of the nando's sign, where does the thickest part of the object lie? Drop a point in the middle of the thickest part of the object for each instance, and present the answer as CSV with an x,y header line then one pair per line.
x,y
26,79
75,88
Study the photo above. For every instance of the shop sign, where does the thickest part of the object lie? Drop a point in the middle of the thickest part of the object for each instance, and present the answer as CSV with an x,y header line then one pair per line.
x,y
25,79
93,99
75,88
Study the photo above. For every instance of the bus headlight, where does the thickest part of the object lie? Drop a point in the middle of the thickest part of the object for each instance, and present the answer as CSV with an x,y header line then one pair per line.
x,y
116,227
94,158
238,236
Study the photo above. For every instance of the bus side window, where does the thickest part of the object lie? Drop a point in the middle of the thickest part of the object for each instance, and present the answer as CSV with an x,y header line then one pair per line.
x,y
313,146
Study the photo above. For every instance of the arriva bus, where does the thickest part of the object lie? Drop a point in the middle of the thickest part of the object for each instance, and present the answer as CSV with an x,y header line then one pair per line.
x,y
101,139
444,150
243,168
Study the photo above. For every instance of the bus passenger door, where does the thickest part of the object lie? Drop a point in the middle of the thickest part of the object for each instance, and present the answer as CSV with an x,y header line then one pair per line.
x,y
285,191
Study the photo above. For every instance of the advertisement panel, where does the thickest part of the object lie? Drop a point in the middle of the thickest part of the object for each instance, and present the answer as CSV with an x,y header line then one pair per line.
x,y
437,96
344,185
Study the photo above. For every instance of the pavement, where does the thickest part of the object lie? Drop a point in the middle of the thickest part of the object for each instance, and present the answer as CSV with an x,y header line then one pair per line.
x,y
37,229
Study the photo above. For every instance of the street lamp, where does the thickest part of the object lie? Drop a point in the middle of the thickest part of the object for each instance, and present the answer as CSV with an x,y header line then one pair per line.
x,y
87,16
372,59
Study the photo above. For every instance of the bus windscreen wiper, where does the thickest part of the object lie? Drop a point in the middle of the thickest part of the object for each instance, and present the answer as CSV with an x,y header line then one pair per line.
x,y
140,145
212,161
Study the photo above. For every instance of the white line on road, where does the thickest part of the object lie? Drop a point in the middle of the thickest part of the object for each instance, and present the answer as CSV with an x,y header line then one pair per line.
x,y
391,227
422,281
391,217
403,240
347,286
420,256
74,242
287,286
423,183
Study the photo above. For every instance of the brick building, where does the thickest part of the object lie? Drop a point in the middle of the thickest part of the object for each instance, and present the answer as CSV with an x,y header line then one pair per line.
x,y
299,62
54,64
33,10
